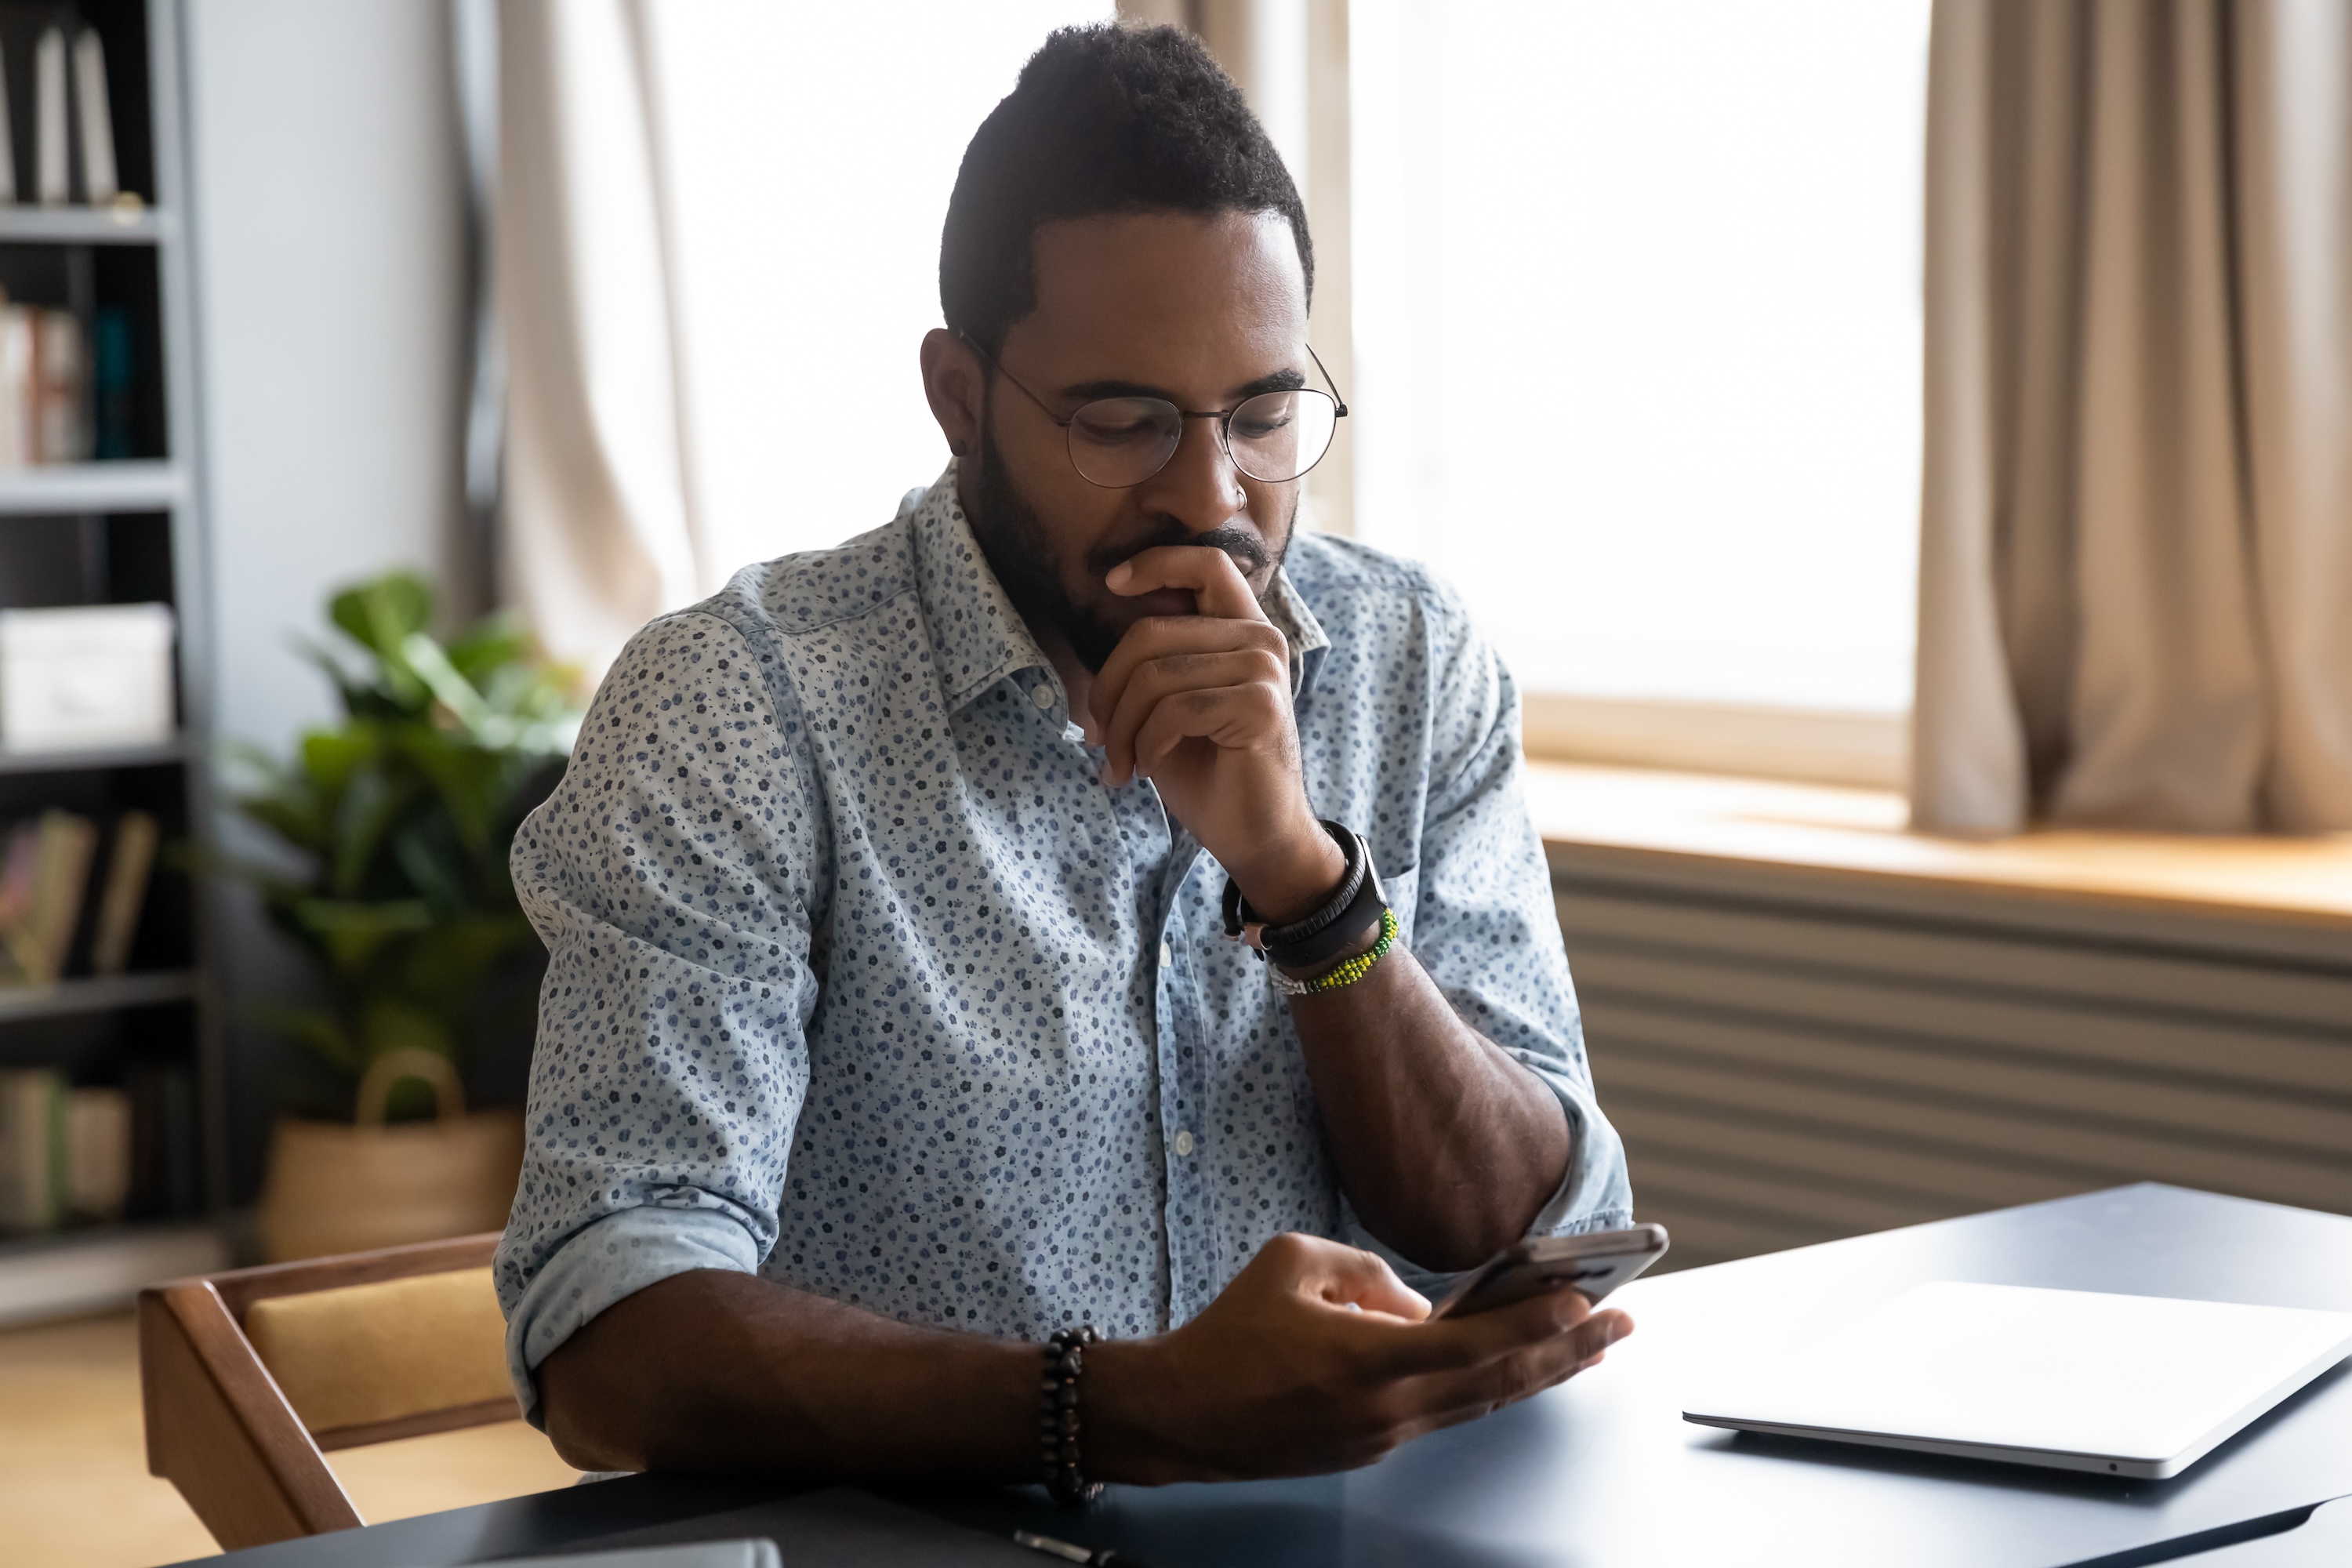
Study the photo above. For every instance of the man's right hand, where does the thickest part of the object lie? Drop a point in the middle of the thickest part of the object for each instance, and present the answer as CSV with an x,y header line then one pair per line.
x,y
1319,1358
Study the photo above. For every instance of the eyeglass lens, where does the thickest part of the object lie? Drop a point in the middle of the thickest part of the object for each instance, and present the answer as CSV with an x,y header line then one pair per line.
x,y
1273,437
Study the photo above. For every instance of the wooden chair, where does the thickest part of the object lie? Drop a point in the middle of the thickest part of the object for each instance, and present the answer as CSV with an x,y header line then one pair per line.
x,y
251,1375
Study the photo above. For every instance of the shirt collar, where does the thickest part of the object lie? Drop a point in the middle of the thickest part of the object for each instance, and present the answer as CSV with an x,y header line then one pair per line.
x,y
981,638
1297,623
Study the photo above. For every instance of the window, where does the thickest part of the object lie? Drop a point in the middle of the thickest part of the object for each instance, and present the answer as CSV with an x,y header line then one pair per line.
x,y
811,149
1637,305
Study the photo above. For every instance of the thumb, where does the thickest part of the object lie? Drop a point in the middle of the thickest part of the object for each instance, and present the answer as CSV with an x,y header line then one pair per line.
x,y
1351,1277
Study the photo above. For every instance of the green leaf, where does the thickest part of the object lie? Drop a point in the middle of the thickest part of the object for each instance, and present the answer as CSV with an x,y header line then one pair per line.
x,y
469,781
317,1031
378,613
297,821
495,644
351,933
407,811
427,851
373,797
454,691
329,757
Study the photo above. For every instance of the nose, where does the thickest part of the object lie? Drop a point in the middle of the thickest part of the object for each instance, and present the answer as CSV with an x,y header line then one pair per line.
x,y
1200,488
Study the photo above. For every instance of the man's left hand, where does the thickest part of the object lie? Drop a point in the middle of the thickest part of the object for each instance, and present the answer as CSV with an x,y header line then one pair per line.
x,y
1201,705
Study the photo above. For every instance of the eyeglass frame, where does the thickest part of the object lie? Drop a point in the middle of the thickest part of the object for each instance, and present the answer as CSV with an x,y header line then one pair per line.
x,y
1224,420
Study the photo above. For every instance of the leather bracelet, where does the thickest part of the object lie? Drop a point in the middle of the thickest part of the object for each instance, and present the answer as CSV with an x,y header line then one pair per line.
x,y
1345,973
1353,908
1057,1416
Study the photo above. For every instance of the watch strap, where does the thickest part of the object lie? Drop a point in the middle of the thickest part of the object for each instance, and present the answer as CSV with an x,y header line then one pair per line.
x,y
1335,926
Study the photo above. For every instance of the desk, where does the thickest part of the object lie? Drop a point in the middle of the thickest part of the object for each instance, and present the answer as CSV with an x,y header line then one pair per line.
x,y
1605,1471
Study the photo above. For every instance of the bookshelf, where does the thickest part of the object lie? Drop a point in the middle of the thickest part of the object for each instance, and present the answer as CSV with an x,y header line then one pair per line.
x,y
125,526
93,489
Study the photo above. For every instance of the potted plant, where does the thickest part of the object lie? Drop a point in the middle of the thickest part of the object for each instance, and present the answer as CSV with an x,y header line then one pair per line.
x,y
400,818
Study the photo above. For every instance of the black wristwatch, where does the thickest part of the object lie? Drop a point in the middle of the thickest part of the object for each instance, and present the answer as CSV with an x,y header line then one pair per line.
x,y
1335,926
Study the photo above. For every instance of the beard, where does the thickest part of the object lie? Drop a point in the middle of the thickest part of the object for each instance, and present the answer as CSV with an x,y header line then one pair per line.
x,y
1019,549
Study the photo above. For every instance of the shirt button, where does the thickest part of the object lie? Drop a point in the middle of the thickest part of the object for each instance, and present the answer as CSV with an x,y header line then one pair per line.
x,y
1167,955
1043,696
1183,1145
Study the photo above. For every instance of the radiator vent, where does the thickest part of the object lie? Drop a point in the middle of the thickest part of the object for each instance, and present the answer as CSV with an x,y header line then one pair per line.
x,y
1793,1071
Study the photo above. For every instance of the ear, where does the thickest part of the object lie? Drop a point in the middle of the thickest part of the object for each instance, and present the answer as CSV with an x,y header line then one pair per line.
x,y
956,385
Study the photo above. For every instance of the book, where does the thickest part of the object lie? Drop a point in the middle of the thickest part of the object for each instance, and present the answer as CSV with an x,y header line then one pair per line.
x,y
68,844
112,368
60,369
164,1177
98,187
43,369
7,141
50,138
98,1154
41,890
32,1149
128,870
16,385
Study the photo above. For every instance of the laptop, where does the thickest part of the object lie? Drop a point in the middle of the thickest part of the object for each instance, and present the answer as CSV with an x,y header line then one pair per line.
x,y
2070,1380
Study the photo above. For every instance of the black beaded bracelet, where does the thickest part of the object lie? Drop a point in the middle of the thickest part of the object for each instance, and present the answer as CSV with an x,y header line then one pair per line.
x,y
1057,1417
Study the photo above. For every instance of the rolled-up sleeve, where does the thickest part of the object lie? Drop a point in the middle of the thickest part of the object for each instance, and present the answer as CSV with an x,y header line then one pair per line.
x,y
669,876
1483,924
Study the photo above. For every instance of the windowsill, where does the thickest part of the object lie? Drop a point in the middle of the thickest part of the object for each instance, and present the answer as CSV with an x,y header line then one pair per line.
x,y
1853,835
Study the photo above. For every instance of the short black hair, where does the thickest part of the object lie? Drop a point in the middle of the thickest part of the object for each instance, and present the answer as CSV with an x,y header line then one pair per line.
x,y
1104,119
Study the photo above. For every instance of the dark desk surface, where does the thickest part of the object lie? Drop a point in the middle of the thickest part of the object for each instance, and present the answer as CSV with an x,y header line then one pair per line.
x,y
1605,1471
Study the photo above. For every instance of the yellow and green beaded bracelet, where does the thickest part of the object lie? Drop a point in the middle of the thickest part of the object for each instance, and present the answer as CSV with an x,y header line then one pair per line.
x,y
1348,971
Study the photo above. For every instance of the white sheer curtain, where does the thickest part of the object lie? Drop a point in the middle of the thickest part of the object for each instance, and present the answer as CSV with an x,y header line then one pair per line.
x,y
1637,334
718,233
599,534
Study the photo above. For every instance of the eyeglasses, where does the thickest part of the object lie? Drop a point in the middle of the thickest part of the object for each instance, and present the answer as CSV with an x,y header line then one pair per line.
x,y
1119,442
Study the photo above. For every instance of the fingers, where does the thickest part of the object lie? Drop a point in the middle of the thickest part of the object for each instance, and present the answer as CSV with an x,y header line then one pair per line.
x,y
1232,718
1343,1276
1460,1344
1445,1398
1151,724
1163,636
1218,586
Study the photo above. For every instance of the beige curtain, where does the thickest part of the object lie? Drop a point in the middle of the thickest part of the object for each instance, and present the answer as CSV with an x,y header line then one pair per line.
x,y
599,531
2135,574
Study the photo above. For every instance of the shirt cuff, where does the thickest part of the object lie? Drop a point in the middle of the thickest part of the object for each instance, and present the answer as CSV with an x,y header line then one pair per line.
x,y
618,1255
1593,1193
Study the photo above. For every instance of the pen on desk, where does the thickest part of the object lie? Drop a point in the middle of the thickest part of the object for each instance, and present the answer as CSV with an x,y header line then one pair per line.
x,y
1106,1558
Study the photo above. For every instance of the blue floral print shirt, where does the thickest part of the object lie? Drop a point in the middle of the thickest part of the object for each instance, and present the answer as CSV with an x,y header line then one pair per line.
x,y
861,979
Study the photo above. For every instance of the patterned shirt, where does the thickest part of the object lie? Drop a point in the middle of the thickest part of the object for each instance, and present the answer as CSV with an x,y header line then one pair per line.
x,y
860,978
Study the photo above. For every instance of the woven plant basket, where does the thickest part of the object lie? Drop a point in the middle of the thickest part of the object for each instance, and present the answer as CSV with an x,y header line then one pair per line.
x,y
338,1188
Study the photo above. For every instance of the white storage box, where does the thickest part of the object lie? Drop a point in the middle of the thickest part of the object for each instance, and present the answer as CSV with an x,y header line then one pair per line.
x,y
86,676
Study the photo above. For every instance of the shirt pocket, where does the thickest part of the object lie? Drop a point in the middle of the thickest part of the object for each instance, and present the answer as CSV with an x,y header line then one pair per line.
x,y
1403,890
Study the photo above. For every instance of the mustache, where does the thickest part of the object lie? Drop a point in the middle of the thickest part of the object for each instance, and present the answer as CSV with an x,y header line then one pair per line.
x,y
1248,551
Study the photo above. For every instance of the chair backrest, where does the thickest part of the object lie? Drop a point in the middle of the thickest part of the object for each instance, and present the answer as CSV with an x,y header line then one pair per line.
x,y
250,1377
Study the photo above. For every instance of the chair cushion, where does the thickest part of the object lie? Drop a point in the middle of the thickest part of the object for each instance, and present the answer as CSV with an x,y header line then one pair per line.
x,y
362,1355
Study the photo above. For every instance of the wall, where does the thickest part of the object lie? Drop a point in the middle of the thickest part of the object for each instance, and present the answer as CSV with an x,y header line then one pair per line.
x,y
330,286
329,281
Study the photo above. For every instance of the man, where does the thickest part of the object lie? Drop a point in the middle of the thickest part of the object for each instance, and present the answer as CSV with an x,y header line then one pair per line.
x,y
892,1025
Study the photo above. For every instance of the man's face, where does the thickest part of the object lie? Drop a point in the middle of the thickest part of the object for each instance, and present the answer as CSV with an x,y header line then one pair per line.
x,y
1203,311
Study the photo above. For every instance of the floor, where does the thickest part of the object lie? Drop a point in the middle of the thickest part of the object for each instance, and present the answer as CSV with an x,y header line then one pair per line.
x,y
73,1486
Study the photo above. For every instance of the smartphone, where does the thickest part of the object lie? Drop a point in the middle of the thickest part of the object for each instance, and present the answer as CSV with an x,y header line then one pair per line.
x,y
1595,1264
